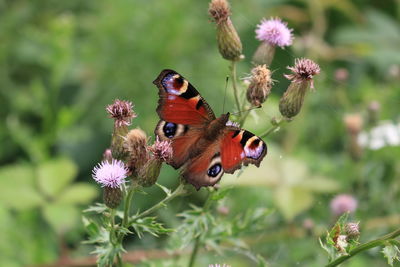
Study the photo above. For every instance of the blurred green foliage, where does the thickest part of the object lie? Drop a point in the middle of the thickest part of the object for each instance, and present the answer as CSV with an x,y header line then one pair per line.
x,y
61,63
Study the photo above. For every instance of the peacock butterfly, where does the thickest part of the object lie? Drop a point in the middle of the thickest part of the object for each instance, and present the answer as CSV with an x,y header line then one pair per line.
x,y
203,145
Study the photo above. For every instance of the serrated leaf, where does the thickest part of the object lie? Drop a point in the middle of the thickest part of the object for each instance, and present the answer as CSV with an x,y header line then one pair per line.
x,y
62,217
220,194
17,187
391,252
149,225
55,175
78,193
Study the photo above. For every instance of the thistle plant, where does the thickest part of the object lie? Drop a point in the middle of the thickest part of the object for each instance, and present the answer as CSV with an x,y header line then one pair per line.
x,y
273,32
133,163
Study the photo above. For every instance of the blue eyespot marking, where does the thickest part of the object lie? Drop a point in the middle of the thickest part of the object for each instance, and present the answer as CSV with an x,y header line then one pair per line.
x,y
169,129
214,170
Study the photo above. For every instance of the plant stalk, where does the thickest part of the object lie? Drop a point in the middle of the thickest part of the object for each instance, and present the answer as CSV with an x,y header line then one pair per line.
x,y
371,244
234,86
177,192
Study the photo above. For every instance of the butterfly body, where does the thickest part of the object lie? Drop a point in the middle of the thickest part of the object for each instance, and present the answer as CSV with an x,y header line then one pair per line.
x,y
203,146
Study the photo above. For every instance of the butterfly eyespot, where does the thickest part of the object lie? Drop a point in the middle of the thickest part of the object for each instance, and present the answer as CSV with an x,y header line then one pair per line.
x,y
174,84
169,129
214,170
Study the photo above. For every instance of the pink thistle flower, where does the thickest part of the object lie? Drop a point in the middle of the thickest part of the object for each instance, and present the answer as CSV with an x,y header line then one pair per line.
x,y
110,174
122,112
162,150
303,70
275,32
343,203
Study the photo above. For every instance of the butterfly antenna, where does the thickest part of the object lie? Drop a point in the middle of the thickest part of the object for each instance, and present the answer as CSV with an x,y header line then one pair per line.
x,y
226,86
235,113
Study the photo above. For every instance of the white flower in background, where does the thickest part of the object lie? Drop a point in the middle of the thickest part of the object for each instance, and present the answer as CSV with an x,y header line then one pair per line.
x,y
385,134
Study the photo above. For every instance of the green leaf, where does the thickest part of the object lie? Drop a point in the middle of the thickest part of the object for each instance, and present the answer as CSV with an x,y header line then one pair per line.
x,y
78,193
62,217
17,187
391,253
55,175
149,225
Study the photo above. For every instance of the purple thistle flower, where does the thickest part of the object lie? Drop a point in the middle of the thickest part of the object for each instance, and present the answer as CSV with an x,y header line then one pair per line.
x,y
110,174
162,150
343,203
275,32
303,70
122,112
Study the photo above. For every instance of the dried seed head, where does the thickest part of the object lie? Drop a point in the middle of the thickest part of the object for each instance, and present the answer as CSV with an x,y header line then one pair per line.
x,y
303,71
260,85
136,145
122,112
219,10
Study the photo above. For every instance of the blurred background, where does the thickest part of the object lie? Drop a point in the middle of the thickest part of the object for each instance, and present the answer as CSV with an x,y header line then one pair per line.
x,y
62,62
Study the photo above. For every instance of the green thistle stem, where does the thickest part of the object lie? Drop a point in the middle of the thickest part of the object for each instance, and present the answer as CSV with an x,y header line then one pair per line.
x,y
234,85
128,202
197,242
276,125
179,191
371,244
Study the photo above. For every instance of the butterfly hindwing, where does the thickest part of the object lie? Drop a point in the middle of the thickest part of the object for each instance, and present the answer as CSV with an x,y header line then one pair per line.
x,y
226,154
239,146
179,101
205,169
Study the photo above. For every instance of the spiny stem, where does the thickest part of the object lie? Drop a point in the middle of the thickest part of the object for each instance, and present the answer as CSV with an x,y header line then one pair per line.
x,y
234,85
197,242
194,251
279,122
128,202
180,190
371,244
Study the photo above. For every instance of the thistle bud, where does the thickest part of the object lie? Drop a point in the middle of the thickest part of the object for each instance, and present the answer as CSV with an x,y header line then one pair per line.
x,y
229,43
136,145
161,152
122,113
354,123
260,85
107,155
352,231
110,175
273,32
301,78
373,112
112,197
